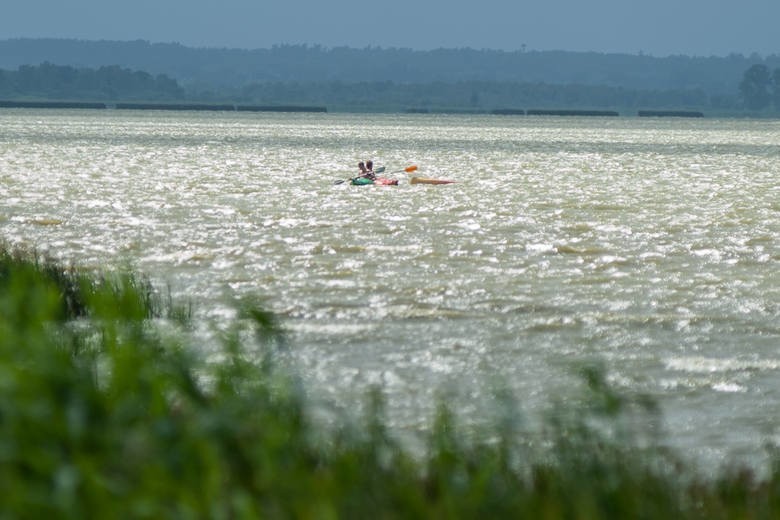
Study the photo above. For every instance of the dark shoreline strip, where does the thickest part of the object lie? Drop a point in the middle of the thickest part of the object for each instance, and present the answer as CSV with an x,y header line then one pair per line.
x,y
590,113
669,113
166,106
508,112
282,108
51,104
159,106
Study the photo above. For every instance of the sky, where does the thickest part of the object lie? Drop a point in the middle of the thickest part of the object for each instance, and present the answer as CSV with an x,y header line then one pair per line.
x,y
653,27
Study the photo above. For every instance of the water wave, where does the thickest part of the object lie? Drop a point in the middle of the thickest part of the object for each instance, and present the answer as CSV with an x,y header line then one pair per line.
x,y
652,245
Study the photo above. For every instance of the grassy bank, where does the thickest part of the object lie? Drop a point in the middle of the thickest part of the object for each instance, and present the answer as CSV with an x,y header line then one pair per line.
x,y
105,412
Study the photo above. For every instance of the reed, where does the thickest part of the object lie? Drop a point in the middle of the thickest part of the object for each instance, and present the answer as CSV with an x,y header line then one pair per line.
x,y
101,416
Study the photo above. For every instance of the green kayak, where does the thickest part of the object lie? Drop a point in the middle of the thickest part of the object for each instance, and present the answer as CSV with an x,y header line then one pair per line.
x,y
364,181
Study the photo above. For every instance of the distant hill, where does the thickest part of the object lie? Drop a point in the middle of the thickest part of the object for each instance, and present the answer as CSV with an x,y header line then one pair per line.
x,y
107,83
235,68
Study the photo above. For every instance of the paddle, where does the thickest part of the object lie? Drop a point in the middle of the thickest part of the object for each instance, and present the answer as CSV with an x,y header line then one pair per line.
x,y
408,169
381,169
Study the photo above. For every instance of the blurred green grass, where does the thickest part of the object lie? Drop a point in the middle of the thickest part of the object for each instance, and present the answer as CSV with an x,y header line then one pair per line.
x,y
101,416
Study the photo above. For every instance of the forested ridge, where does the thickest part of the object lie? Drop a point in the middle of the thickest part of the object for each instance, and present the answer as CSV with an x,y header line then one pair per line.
x,y
48,81
375,78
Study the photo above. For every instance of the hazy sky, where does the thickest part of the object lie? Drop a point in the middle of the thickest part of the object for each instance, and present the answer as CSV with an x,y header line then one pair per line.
x,y
657,27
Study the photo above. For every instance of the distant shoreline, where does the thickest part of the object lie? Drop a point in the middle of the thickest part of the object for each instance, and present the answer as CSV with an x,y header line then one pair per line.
x,y
304,78
203,107
159,106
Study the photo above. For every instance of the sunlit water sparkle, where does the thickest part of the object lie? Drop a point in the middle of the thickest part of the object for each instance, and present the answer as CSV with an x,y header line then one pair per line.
x,y
649,245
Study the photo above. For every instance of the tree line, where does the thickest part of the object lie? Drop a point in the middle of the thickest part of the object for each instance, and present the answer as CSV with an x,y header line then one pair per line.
x,y
474,96
215,68
758,90
106,83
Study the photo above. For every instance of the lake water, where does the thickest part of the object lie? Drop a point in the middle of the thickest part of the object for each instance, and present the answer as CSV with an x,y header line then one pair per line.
x,y
651,246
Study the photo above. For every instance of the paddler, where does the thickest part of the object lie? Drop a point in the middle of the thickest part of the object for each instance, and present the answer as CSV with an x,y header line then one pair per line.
x,y
370,170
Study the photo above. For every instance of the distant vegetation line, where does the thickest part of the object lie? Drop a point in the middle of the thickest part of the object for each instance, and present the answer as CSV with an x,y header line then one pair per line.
x,y
48,81
756,88
123,88
478,96
235,68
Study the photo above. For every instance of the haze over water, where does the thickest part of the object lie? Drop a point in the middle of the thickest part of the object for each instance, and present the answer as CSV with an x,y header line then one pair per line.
x,y
651,246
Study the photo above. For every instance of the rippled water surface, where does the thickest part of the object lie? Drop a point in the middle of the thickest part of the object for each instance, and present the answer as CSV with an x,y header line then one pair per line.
x,y
652,246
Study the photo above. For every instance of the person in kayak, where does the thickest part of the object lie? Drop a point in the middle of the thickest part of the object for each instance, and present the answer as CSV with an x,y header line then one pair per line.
x,y
363,170
366,170
370,170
